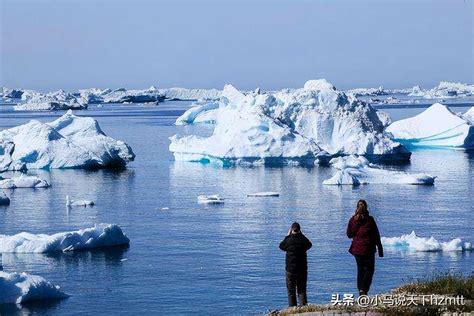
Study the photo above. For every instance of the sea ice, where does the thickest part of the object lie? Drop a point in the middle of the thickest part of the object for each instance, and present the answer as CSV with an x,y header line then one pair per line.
x,y
210,199
4,200
16,288
437,126
68,142
291,125
354,170
412,242
264,194
23,182
102,235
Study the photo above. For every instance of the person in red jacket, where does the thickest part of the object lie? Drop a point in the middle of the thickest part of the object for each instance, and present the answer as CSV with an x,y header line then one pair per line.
x,y
365,239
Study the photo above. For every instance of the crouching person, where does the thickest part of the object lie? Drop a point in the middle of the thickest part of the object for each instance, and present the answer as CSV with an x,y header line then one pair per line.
x,y
296,244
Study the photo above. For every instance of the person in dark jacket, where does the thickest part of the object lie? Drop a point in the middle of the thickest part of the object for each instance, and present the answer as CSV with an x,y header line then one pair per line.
x,y
365,239
296,244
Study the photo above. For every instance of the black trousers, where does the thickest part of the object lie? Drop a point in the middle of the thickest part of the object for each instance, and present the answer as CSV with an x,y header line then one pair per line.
x,y
296,283
365,272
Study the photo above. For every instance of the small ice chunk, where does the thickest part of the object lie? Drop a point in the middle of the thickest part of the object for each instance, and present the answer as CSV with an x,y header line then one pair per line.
x,y
412,242
210,199
16,288
23,182
82,203
264,194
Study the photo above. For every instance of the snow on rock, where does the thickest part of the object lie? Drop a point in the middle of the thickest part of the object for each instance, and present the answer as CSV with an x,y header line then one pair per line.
x,y
183,94
68,142
122,95
469,115
264,194
444,89
437,126
102,235
4,199
354,170
16,288
59,100
210,199
412,242
23,182
295,124
244,134
199,113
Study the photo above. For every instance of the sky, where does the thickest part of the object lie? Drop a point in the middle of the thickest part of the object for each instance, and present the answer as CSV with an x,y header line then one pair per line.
x,y
273,44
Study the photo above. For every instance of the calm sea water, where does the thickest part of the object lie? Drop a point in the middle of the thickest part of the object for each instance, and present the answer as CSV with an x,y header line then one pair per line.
x,y
193,259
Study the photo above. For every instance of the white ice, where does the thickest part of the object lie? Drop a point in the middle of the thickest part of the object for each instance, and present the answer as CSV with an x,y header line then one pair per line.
x,y
264,194
23,182
444,90
4,199
150,95
210,199
58,100
81,203
291,125
437,126
184,94
68,142
354,170
412,242
469,115
102,235
199,113
16,288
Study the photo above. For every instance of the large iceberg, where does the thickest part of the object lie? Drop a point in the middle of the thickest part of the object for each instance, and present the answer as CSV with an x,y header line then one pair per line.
x,y
68,142
183,94
437,126
59,100
4,199
23,182
353,170
16,288
412,242
150,95
444,89
290,124
99,236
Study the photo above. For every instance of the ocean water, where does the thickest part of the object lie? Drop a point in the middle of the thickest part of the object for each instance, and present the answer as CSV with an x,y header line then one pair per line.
x,y
209,260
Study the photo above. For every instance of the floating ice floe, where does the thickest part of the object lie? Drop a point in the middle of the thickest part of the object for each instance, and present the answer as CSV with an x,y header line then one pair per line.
x,y
294,126
444,89
59,100
183,94
210,199
264,194
102,235
121,95
17,288
23,182
412,242
199,113
68,142
353,170
82,203
437,126
4,199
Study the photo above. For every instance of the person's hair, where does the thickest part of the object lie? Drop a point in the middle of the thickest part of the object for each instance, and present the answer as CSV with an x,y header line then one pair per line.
x,y
365,210
296,227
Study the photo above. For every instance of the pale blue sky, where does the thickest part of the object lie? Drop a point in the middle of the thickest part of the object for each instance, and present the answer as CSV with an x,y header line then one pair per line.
x,y
72,44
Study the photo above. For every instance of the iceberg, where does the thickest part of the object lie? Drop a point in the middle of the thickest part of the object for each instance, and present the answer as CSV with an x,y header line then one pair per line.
x,y
59,100
437,126
99,236
210,199
368,91
290,125
68,142
412,242
356,170
4,200
150,95
469,115
444,89
199,113
183,94
17,288
264,194
23,182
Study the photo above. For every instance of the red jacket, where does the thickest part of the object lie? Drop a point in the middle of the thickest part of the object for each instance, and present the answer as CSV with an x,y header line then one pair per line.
x,y
365,236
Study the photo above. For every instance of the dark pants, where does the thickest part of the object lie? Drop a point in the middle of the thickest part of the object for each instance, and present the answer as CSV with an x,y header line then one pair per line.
x,y
296,282
365,272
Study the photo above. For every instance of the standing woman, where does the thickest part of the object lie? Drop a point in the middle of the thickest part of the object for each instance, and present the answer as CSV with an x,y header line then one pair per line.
x,y
365,239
